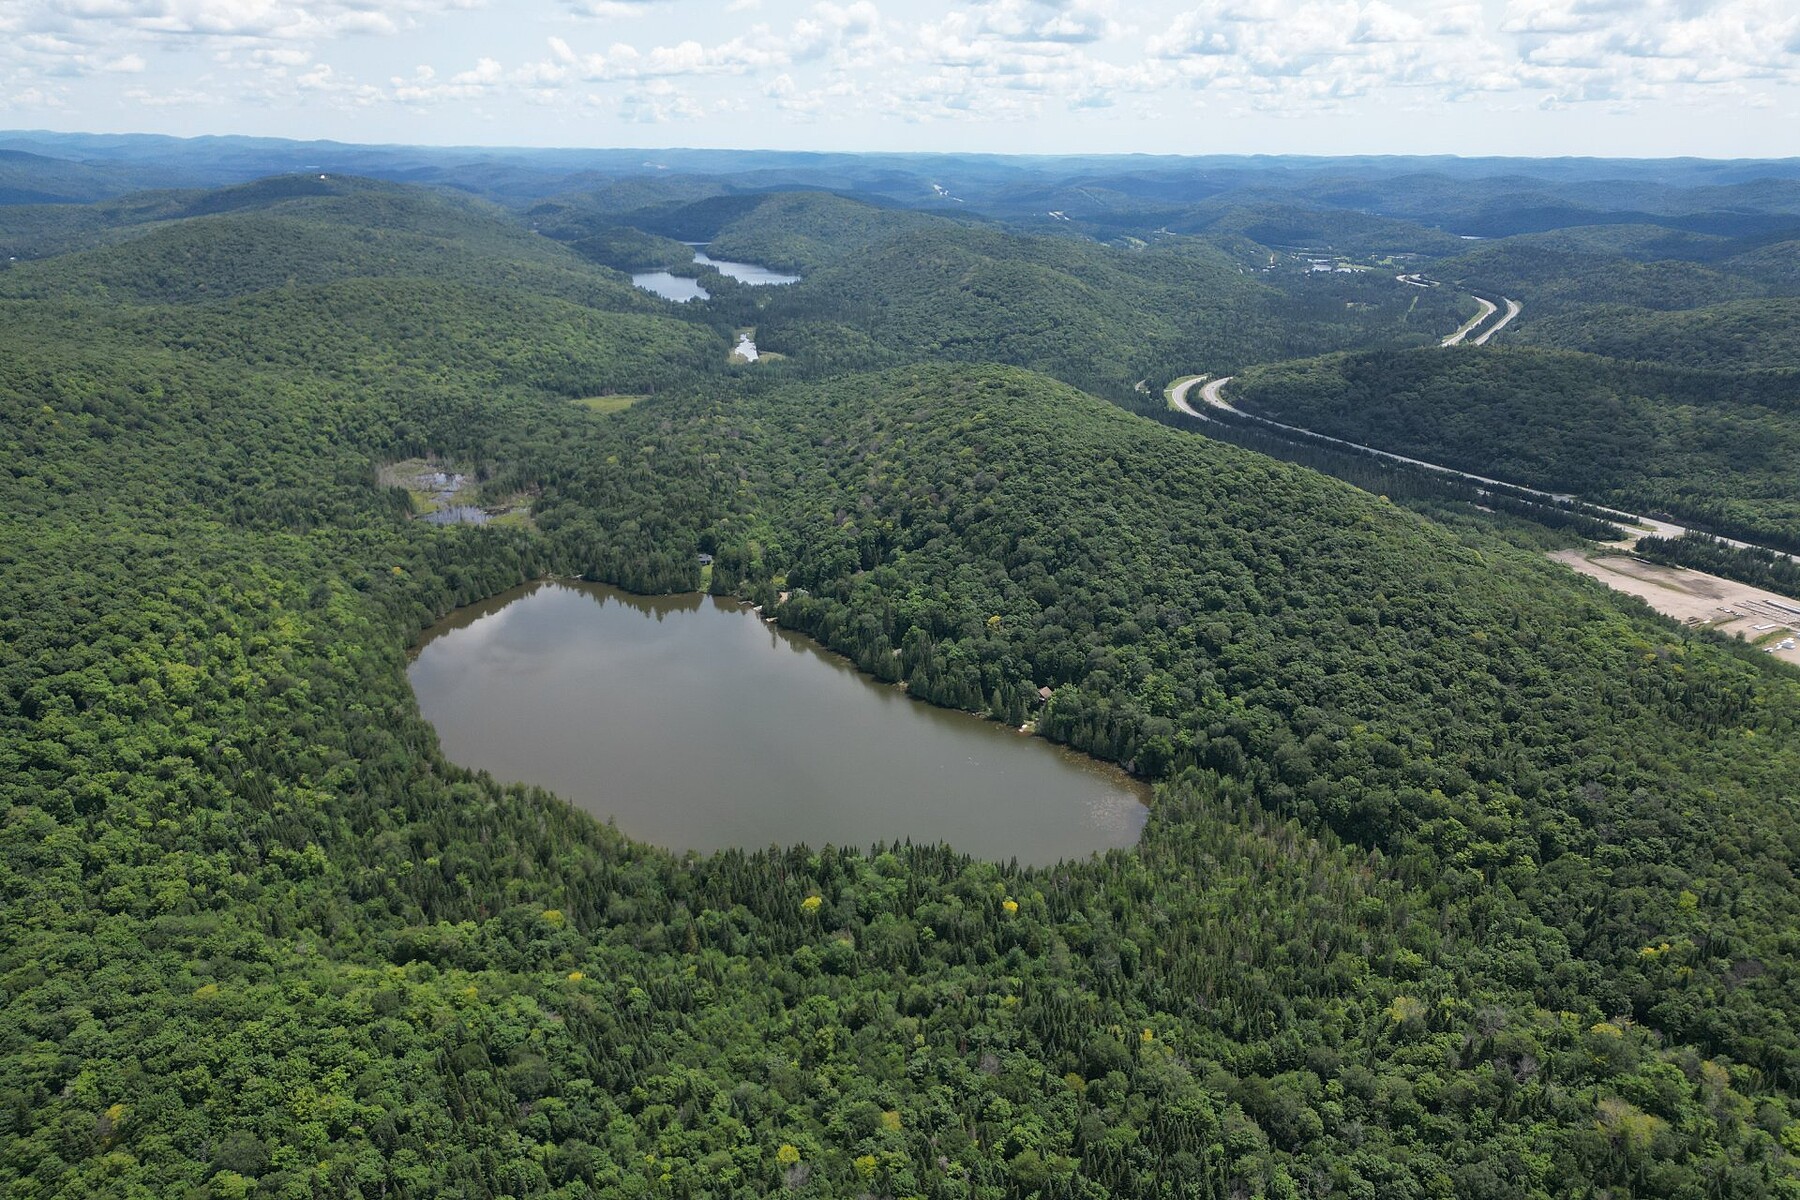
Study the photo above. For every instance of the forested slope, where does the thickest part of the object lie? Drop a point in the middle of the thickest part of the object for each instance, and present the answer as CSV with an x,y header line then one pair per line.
x,y
884,286
1714,448
1100,317
1739,335
236,244
1554,276
1462,878
804,231
1273,223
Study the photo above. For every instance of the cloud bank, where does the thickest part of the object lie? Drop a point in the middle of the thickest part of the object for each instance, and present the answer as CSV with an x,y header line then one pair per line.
x,y
590,68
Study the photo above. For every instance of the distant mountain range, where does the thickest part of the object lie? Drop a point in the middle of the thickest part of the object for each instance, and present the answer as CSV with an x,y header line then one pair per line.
x,y
1516,195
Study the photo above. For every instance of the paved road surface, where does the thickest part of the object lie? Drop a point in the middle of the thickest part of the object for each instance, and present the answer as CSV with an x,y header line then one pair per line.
x,y
1212,396
1512,310
1488,309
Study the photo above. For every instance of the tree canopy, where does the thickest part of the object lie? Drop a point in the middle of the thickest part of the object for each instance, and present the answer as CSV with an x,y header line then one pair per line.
x,y
1464,877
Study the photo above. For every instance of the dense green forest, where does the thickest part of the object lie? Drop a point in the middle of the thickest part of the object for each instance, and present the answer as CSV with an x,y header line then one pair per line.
x,y
254,239
882,287
1558,272
1778,572
1463,876
1736,335
1100,317
801,231
1713,448
1645,293
1526,519
627,249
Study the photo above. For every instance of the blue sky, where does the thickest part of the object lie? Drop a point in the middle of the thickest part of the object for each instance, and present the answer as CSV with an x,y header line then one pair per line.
x,y
1609,77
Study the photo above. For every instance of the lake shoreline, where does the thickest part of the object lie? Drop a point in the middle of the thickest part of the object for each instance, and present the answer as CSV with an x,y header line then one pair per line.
x,y
972,776
673,284
519,590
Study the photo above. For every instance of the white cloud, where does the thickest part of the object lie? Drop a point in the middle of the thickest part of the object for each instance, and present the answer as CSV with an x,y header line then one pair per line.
x,y
1327,51
1606,50
658,102
276,57
25,99
231,20
611,8
866,63
181,97
49,44
1013,58
486,73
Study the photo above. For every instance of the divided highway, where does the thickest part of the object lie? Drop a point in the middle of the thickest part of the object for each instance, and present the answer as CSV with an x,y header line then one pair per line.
x,y
1488,309
1512,310
1212,396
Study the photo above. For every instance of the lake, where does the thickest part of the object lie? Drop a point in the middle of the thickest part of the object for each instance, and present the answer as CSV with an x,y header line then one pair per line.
x,y
681,289
748,273
678,288
694,724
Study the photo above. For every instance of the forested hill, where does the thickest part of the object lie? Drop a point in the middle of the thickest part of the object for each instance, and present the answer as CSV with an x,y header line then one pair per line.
x,y
1760,334
1716,449
1462,877
1571,268
292,232
884,287
1646,292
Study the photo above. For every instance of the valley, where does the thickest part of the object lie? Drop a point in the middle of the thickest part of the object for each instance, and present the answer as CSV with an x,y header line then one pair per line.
x,y
1358,847
1674,592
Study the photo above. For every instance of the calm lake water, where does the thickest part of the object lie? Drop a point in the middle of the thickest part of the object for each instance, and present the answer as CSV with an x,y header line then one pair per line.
x,y
671,287
748,273
681,290
695,725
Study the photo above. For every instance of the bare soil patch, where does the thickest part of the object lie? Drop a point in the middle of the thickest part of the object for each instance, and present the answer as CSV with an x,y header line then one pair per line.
x,y
1694,598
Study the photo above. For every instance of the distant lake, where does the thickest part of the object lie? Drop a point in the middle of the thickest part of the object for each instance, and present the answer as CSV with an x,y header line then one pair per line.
x,y
695,725
671,287
748,273
681,289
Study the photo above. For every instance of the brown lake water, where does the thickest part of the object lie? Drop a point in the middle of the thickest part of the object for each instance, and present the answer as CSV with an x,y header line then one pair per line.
x,y
693,724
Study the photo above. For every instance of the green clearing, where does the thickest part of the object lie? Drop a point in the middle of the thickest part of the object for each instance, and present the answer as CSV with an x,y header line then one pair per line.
x,y
609,404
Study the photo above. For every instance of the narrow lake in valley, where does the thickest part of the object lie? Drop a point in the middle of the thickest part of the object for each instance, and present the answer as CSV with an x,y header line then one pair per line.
x,y
693,724
748,273
681,289
678,288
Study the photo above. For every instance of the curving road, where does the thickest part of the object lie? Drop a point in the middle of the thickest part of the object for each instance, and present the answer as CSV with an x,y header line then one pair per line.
x,y
1212,395
1512,310
1488,309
